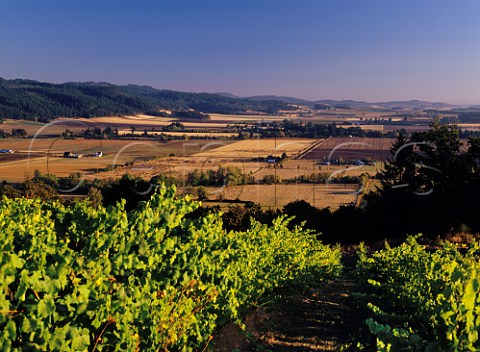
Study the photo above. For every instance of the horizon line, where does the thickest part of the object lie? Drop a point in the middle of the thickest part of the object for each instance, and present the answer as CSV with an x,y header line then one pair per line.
x,y
392,100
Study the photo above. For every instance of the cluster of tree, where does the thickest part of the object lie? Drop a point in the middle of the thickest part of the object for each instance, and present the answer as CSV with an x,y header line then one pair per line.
x,y
190,114
321,106
233,176
174,127
41,186
95,133
431,185
16,132
32,100
469,116
113,133
467,134
289,128
223,176
324,178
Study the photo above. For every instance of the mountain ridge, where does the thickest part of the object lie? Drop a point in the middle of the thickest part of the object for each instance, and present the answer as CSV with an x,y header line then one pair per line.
x,y
413,103
30,99
33,100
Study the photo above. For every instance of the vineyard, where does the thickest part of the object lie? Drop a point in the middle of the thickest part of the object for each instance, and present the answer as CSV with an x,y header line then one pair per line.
x,y
158,278
422,300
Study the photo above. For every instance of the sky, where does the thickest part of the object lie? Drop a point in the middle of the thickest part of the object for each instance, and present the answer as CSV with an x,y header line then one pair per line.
x,y
370,50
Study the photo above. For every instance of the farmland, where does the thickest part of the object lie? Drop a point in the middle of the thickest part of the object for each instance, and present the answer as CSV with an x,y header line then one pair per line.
x,y
277,196
270,172
352,148
140,152
46,155
146,158
248,149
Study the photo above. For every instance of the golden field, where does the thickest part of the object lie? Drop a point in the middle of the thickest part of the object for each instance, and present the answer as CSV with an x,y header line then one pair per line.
x,y
277,196
254,148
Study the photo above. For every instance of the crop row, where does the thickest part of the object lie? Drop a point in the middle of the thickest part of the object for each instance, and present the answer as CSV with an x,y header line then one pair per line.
x,y
78,277
423,300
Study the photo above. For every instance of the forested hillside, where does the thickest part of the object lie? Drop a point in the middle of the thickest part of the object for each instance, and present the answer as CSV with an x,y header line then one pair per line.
x,y
32,100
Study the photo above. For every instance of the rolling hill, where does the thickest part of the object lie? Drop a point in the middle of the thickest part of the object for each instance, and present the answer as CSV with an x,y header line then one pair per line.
x,y
355,104
32,100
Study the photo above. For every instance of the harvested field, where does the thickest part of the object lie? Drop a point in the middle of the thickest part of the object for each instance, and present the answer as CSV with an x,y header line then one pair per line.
x,y
110,146
144,122
298,168
178,167
11,157
352,148
379,128
276,196
115,152
469,126
32,127
252,148
244,118
5,158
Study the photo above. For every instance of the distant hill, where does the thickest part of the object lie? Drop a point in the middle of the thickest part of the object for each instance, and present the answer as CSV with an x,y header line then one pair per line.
x,y
226,94
32,100
354,104
290,100
414,104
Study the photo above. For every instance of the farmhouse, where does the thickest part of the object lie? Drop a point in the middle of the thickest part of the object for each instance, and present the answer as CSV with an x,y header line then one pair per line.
x,y
72,155
273,159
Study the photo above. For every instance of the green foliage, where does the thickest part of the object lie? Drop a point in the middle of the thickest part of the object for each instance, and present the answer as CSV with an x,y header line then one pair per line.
x,y
90,278
36,187
175,127
427,160
291,128
423,300
95,196
223,176
430,185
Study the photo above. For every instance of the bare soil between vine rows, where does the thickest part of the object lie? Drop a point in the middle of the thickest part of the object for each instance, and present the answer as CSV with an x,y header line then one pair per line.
x,y
322,319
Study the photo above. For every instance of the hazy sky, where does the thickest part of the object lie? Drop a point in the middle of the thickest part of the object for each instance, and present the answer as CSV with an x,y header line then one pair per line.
x,y
371,50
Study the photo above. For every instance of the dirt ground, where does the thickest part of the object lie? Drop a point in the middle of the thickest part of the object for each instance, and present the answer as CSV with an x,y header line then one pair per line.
x,y
321,319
